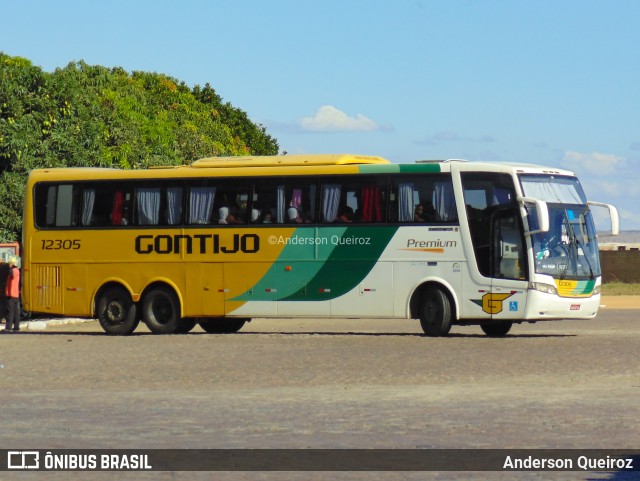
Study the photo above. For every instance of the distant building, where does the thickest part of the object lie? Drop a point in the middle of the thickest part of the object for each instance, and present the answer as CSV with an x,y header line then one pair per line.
x,y
626,241
619,246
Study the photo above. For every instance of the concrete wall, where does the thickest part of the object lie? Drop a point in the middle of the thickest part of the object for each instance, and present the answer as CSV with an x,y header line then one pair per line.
x,y
620,265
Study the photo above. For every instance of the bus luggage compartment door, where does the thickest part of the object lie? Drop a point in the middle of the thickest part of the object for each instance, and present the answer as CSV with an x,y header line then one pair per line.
x,y
205,290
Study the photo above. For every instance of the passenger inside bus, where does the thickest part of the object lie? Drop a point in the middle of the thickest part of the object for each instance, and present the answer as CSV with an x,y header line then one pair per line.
x,y
229,215
266,217
345,214
294,216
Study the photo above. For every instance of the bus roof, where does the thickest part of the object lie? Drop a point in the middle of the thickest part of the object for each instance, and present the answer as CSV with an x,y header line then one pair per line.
x,y
288,160
303,164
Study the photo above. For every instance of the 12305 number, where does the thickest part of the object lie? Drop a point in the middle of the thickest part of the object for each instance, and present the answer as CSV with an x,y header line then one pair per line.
x,y
59,244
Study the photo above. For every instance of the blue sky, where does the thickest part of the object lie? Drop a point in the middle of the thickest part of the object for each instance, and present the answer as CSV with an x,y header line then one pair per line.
x,y
551,82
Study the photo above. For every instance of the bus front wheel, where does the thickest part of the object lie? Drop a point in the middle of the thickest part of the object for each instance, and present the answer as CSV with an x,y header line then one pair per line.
x,y
215,325
435,317
161,311
496,329
117,312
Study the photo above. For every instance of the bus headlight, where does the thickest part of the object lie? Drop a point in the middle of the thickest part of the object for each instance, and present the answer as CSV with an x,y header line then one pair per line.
x,y
596,290
546,288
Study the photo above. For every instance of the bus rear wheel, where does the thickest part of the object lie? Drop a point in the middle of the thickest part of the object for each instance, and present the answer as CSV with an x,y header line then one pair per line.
x,y
161,311
435,316
496,329
117,312
214,325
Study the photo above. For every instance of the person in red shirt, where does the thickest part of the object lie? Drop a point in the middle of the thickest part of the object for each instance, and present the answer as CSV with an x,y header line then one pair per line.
x,y
13,296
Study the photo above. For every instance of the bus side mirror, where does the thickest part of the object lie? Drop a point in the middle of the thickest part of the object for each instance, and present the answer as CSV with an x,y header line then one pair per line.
x,y
542,212
613,214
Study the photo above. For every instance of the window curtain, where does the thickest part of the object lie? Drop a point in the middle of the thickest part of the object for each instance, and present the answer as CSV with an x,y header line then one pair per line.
x,y
88,201
330,202
406,202
296,199
280,205
118,205
201,204
445,203
148,206
371,204
174,205
551,192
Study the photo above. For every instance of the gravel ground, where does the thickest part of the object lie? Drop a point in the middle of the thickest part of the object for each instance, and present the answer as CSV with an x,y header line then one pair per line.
x,y
324,384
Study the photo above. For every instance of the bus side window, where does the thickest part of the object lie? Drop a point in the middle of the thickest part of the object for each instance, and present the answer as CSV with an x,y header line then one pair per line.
x,y
201,202
443,202
371,202
232,203
56,205
121,208
331,198
423,199
173,203
103,204
353,199
97,200
285,201
265,201
300,200
147,202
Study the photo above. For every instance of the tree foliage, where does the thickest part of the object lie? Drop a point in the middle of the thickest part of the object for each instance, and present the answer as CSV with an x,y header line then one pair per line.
x,y
84,115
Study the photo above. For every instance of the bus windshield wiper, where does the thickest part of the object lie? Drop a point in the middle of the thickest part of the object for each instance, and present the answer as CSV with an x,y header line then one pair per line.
x,y
586,258
572,242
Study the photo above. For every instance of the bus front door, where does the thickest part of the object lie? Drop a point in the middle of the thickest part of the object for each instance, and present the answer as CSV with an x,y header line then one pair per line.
x,y
508,266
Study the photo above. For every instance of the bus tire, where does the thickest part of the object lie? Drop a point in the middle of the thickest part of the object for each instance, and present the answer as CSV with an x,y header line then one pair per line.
x,y
215,325
161,311
496,329
436,313
117,312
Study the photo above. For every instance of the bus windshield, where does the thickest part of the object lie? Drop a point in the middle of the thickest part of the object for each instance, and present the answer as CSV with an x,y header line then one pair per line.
x,y
569,249
559,189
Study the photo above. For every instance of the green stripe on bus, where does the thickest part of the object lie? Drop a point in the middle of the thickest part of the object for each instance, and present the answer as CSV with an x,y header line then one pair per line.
x,y
417,168
585,287
333,279
398,168
311,267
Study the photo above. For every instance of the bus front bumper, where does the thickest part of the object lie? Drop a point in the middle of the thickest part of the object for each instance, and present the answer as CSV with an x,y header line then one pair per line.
x,y
542,306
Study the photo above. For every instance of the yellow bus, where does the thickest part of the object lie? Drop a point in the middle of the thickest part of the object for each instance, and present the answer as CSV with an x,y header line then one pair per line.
x,y
224,240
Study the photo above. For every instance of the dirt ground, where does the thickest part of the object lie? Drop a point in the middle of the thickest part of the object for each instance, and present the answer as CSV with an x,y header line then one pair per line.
x,y
620,302
322,383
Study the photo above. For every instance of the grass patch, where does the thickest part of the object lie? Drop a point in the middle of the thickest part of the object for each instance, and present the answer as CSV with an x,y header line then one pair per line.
x,y
620,289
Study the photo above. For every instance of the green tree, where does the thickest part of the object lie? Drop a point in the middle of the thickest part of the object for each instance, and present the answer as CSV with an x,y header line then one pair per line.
x,y
83,115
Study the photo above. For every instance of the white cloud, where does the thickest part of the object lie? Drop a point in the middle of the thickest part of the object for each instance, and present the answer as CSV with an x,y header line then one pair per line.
x,y
330,119
595,162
